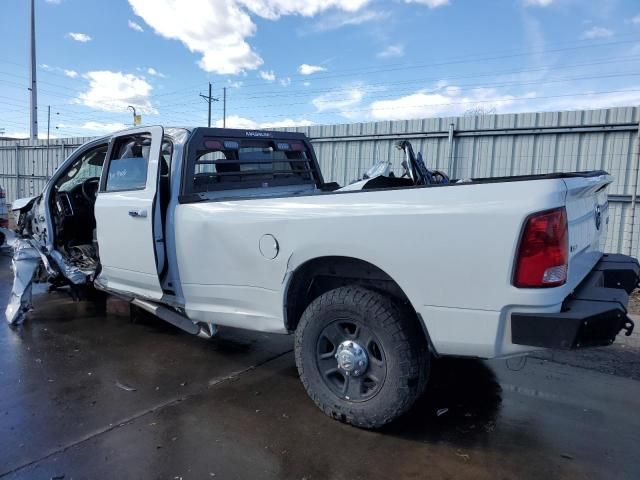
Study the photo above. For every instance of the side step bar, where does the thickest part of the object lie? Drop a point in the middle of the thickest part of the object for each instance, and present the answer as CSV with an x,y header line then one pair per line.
x,y
206,330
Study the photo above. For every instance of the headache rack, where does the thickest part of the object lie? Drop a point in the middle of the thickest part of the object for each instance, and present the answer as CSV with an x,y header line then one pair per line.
x,y
221,159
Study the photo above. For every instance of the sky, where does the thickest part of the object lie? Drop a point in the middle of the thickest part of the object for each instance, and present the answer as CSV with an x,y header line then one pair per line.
x,y
310,62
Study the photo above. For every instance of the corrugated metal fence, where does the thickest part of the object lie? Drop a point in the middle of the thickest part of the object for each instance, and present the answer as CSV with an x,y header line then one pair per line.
x,y
475,146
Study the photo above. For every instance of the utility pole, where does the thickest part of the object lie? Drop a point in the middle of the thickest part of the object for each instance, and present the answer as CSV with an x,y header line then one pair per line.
x,y
48,137
209,99
33,124
224,108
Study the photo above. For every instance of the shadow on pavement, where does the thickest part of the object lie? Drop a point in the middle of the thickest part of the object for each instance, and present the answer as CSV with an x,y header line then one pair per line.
x,y
461,403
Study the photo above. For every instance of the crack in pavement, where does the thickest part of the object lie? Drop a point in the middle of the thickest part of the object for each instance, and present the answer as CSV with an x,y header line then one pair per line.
x,y
132,418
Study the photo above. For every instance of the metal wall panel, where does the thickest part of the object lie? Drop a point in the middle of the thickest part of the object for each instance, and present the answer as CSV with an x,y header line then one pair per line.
x,y
483,146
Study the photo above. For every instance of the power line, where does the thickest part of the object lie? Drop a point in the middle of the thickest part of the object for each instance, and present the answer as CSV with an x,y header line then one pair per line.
x,y
293,92
468,102
462,88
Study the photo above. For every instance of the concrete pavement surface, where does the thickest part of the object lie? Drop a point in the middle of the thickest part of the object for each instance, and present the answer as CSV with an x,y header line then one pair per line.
x,y
89,394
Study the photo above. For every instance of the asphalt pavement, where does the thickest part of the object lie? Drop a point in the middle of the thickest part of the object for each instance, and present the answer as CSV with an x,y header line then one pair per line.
x,y
87,392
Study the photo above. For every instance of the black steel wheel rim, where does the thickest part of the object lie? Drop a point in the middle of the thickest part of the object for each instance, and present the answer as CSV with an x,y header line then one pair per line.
x,y
349,387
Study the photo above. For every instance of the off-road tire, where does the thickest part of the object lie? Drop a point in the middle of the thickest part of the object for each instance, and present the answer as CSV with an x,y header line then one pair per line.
x,y
401,338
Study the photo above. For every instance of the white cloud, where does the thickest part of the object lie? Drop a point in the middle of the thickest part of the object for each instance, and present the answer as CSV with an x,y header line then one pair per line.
x,y
391,51
590,101
443,100
102,127
135,26
274,9
306,69
53,2
306,84
115,91
67,72
234,84
636,20
597,32
342,101
17,134
267,75
79,37
155,73
285,82
219,29
345,19
538,3
236,121
289,122
430,3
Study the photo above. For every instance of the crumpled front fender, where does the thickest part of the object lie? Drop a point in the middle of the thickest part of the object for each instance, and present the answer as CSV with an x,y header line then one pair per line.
x,y
26,259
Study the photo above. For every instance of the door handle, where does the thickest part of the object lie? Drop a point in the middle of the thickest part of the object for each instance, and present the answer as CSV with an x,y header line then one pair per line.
x,y
140,213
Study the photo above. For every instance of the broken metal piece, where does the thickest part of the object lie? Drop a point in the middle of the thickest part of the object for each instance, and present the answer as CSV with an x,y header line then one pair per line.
x,y
72,273
25,262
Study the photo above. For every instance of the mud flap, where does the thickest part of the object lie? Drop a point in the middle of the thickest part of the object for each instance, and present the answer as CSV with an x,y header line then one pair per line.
x,y
26,260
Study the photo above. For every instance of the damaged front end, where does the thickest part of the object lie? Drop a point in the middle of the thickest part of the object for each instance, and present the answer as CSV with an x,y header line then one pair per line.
x,y
25,262
32,262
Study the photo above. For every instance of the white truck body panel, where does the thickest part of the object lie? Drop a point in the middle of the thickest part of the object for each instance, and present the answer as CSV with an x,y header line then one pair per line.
x,y
450,249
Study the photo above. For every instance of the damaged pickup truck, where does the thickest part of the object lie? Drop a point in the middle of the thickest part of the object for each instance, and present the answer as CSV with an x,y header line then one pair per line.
x,y
206,227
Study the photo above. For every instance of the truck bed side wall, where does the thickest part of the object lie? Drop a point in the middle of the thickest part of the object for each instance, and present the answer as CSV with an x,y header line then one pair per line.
x,y
450,249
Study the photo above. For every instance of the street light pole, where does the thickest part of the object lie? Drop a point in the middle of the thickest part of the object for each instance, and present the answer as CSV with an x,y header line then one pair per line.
x,y
133,109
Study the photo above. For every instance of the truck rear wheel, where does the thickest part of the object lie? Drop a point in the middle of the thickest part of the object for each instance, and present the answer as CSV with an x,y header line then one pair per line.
x,y
361,359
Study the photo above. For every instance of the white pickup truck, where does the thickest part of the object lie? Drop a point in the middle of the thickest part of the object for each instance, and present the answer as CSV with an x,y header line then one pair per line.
x,y
206,227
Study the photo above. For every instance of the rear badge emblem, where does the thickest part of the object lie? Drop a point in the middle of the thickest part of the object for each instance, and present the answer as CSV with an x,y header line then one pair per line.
x,y
598,217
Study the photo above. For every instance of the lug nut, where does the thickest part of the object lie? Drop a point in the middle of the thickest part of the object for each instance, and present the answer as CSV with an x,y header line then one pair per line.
x,y
361,363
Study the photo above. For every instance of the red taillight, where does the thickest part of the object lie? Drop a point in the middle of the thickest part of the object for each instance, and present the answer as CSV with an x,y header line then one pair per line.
x,y
543,252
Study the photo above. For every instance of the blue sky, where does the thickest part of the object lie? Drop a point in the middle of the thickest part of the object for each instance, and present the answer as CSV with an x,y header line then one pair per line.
x,y
303,62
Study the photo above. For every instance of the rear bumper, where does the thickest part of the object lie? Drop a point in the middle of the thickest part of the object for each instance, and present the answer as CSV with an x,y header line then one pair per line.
x,y
592,316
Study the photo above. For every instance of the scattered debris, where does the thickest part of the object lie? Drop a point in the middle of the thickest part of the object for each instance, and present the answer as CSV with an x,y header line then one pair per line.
x,y
58,477
567,456
442,411
125,387
465,456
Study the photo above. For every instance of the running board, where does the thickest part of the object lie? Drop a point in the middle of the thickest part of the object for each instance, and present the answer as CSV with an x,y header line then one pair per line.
x,y
184,323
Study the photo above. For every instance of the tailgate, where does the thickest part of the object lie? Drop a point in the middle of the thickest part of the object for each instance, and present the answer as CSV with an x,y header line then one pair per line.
x,y
588,217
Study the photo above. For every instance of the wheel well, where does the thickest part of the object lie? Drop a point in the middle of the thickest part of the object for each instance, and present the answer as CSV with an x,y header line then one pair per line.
x,y
320,275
